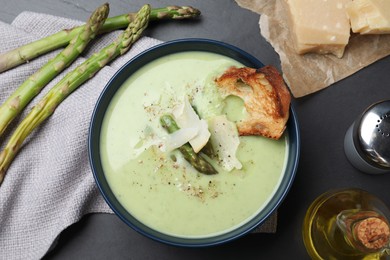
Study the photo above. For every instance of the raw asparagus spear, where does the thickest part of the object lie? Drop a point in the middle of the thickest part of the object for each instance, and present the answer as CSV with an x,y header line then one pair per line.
x,y
34,84
196,160
69,83
32,50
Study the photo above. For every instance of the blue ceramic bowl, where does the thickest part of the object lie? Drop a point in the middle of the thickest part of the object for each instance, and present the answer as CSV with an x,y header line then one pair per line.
x,y
94,145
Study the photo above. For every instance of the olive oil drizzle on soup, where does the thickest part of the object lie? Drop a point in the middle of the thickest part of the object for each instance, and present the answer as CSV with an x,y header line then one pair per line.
x,y
161,189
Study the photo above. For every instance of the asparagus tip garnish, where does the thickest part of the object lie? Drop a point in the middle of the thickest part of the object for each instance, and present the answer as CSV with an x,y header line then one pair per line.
x,y
196,160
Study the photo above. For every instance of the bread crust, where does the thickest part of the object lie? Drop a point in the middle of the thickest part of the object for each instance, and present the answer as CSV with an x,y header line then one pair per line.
x,y
266,99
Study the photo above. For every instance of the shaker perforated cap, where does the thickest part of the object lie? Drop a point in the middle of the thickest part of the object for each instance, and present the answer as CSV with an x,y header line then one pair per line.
x,y
371,135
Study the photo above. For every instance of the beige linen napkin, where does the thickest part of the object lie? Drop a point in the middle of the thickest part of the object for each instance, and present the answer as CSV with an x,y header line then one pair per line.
x,y
50,186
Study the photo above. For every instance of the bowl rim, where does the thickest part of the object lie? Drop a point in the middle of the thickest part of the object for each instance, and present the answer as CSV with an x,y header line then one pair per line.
x,y
162,49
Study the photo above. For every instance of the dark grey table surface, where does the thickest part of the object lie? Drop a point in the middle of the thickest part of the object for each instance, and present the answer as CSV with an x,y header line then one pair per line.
x,y
324,118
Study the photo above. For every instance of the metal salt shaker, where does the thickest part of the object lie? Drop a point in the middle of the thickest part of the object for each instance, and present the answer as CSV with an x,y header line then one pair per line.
x,y
367,141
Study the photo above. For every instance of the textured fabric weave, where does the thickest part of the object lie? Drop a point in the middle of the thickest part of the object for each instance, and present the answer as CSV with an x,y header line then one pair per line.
x,y
50,186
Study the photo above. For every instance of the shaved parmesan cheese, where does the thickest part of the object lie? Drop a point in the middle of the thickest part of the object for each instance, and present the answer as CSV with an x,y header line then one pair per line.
x,y
225,141
178,138
186,117
147,139
203,136
165,143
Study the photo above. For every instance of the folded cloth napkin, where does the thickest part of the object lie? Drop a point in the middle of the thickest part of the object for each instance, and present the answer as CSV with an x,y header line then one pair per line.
x,y
50,186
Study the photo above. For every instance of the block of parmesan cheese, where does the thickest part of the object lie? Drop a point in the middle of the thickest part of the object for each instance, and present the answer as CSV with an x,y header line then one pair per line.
x,y
320,26
369,16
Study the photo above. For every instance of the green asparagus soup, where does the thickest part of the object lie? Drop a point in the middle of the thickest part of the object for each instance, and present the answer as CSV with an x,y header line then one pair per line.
x,y
156,184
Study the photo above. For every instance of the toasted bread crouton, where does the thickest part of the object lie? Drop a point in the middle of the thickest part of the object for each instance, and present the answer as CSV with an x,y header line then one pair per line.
x,y
266,99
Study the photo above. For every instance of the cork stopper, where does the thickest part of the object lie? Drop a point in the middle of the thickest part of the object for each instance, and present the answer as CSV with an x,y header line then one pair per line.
x,y
373,233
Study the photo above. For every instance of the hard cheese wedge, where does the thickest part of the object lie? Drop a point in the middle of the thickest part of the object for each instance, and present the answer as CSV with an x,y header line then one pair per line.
x,y
319,26
369,16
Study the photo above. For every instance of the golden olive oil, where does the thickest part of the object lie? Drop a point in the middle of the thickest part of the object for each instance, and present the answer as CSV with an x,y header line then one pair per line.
x,y
329,228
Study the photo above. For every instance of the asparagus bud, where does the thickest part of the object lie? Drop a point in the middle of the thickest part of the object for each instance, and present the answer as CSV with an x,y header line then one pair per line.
x,y
34,84
34,49
196,160
68,84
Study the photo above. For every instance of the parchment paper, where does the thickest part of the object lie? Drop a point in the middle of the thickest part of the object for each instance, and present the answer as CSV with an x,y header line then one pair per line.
x,y
306,74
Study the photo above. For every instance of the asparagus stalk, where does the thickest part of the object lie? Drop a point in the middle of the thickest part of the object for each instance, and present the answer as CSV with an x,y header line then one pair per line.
x,y
34,84
196,160
69,83
32,50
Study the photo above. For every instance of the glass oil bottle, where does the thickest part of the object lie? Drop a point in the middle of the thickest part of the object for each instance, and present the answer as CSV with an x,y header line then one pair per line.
x,y
347,224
